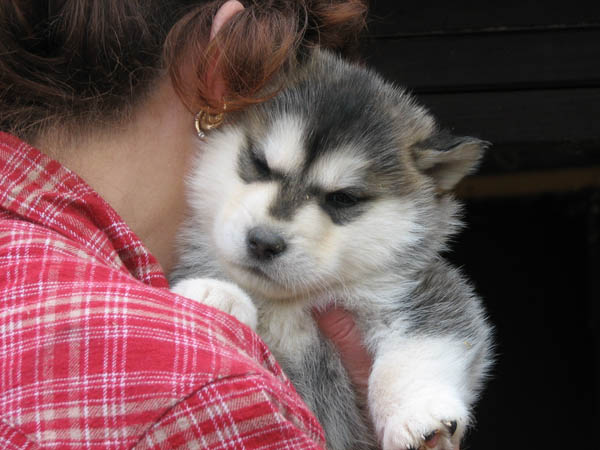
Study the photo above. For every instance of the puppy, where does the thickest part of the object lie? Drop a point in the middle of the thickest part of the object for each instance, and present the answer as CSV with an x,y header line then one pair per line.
x,y
337,191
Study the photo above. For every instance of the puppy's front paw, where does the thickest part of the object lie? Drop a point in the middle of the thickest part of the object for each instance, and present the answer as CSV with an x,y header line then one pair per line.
x,y
221,295
407,412
408,428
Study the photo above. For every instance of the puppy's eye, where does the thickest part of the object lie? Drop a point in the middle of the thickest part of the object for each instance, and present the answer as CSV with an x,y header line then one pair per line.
x,y
260,165
341,199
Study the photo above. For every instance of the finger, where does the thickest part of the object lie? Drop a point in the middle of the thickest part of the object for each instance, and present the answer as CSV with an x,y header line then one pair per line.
x,y
338,326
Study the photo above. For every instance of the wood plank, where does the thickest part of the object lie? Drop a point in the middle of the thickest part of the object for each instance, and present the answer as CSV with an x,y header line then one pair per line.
x,y
531,156
521,117
529,130
529,183
520,60
394,17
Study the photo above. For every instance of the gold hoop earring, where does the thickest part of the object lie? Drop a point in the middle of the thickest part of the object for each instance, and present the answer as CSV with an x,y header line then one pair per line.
x,y
205,121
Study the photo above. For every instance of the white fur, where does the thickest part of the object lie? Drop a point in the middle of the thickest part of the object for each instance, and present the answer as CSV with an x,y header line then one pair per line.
x,y
246,208
388,228
280,321
284,145
339,170
416,386
221,295
215,162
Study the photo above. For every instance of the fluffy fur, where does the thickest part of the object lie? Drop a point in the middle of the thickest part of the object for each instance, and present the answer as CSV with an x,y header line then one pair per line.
x,y
335,191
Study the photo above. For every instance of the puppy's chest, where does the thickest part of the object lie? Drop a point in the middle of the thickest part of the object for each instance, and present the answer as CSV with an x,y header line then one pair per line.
x,y
288,330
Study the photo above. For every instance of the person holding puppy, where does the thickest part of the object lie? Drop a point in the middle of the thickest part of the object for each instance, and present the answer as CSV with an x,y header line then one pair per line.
x,y
97,108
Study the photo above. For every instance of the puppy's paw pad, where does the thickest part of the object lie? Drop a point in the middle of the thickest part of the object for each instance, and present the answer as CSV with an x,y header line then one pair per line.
x,y
219,294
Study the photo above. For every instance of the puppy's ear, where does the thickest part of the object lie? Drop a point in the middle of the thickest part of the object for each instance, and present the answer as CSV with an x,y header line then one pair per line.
x,y
447,159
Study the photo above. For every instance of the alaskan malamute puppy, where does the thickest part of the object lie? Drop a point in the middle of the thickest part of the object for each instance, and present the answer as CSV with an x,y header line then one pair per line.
x,y
337,190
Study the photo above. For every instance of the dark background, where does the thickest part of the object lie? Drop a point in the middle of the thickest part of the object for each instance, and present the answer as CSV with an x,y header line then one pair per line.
x,y
524,75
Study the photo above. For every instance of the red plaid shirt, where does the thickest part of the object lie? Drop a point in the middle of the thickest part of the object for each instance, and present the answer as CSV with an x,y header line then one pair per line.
x,y
96,353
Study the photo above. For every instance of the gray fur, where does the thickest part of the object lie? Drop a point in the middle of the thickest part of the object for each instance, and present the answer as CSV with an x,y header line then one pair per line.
x,y
412,295
325,387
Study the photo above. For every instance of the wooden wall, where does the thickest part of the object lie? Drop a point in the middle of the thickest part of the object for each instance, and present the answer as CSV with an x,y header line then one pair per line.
x,y
522,74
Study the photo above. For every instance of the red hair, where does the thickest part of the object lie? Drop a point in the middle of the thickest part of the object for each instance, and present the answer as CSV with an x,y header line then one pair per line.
x,y
78,63
259,42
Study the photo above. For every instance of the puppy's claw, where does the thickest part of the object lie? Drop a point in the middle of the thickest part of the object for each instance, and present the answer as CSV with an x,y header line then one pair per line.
x,y
451,425
427,437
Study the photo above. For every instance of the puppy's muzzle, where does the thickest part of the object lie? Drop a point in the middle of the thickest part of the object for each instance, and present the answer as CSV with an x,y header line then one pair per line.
x,y
264,244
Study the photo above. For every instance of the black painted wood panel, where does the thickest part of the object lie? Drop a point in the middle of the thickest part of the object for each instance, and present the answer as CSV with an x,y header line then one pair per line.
x,y
491,61
529,129
399,17
524,75
517,117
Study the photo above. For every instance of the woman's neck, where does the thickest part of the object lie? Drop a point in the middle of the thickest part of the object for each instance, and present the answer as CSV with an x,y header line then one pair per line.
x,y
138,168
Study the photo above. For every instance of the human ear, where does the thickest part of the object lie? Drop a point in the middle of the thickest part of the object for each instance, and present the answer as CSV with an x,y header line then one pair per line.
x,y
225,12
223,15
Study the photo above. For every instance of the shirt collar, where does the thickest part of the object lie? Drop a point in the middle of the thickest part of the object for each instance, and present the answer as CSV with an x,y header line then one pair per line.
x,y
39,189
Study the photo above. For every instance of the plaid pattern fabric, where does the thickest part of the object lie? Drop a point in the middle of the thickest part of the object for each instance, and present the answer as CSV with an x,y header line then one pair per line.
x,y
95,352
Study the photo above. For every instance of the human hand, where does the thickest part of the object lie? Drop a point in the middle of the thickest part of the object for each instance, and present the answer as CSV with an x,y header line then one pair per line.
x,y
339,327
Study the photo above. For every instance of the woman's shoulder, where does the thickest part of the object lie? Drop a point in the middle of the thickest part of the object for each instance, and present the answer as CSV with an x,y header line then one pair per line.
x,y
84,331
43,271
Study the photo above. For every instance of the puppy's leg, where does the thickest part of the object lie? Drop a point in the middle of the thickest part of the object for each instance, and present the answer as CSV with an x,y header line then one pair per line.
x,y
221,295
420,387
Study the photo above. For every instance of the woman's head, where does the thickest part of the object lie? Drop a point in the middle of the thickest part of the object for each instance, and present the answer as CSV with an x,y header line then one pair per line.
x,y
87,63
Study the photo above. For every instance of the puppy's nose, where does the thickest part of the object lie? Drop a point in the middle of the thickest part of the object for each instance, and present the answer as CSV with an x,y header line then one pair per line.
x,y
264,244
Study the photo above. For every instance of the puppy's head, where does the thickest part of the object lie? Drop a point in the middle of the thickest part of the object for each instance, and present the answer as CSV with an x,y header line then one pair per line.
x,y
339,178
